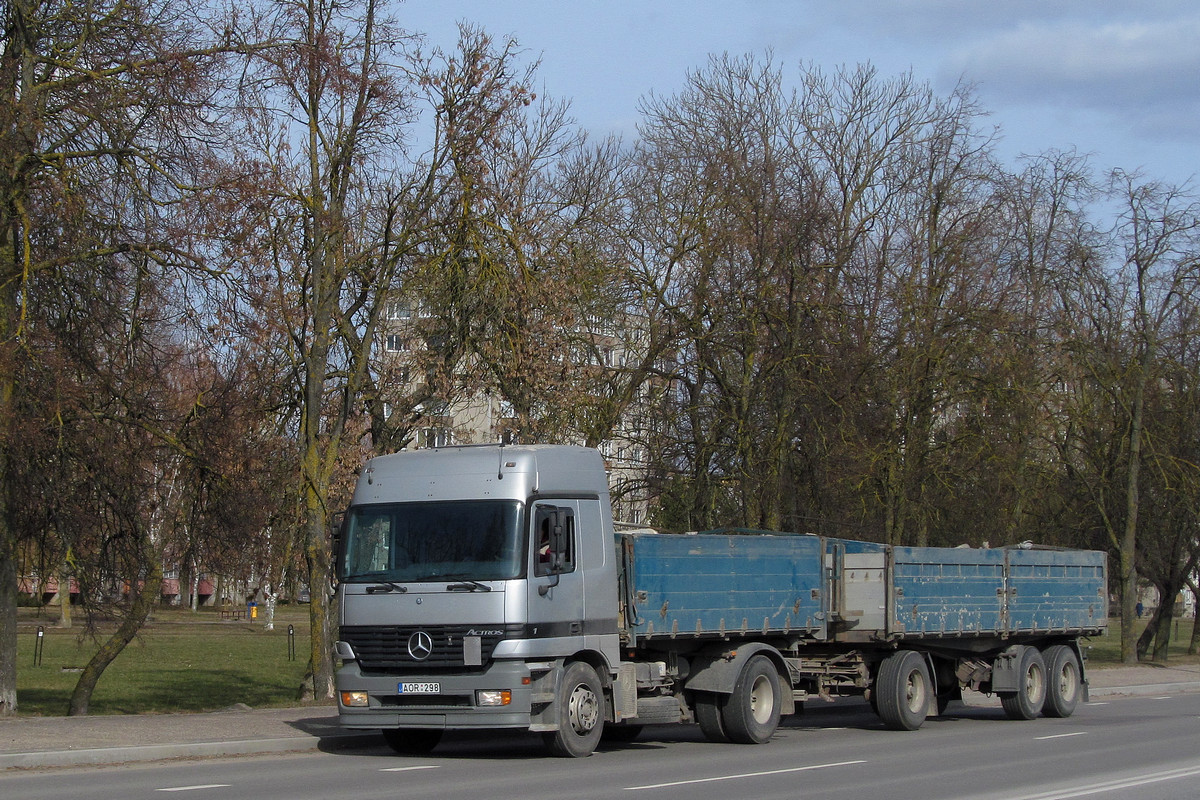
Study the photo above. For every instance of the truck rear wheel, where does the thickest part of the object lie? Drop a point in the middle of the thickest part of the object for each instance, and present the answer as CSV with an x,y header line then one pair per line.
x,y
903,691
580,710
708,716
1026,702
1063,681
750,714
412,741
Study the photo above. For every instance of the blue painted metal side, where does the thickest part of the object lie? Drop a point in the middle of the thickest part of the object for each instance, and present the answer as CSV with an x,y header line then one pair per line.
x,y
1056,590
752,583
705,584
943,591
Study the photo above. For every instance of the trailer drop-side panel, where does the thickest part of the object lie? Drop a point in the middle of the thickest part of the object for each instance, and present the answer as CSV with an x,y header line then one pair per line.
x,y
724,584
760,584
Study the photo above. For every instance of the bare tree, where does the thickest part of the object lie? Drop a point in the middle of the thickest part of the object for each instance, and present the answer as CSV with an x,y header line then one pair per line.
x,y
1157,234
325,116
89,96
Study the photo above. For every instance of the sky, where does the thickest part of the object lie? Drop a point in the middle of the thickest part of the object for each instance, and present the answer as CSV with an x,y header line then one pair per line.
x,y
1118,80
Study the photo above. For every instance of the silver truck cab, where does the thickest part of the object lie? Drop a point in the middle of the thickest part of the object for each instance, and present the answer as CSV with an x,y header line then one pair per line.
x,y
470,579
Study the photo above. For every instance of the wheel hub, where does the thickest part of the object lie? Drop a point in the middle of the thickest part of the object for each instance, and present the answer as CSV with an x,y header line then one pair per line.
x,y
583,709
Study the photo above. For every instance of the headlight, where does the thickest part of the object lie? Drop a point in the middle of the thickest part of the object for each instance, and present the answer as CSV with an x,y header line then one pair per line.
x,y
354,699
493,697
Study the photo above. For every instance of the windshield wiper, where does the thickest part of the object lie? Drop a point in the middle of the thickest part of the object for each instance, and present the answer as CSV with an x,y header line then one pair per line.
x,y
467,585
384,585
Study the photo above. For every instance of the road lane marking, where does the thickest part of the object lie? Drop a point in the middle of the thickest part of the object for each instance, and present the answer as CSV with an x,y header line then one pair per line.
x,y
741,775
409,769
194,788
1114,785
1059,736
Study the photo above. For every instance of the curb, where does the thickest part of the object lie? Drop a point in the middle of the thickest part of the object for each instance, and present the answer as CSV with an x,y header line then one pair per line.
x,y
165,752
1142,691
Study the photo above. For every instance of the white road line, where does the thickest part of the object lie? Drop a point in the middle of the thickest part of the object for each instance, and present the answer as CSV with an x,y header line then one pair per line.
x,y
1059,736
741,775
193,788
1098,704
1112,786
409,769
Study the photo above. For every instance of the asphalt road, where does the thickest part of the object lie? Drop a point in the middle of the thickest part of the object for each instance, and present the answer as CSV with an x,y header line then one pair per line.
x,y
1128,747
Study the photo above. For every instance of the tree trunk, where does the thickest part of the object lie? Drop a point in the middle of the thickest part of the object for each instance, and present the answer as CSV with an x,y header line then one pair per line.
x,y
8,619
1194,643
1129,648
269,595
64,599
1157,632
318,683
142,604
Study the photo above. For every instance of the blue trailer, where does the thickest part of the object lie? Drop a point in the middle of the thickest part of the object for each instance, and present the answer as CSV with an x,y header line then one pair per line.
x,y
488,587
912,625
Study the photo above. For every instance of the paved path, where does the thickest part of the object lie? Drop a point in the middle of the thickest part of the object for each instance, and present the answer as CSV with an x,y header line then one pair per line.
x,y
29,742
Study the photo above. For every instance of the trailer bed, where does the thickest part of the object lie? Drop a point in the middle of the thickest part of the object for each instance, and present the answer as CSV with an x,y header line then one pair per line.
x,y
741,584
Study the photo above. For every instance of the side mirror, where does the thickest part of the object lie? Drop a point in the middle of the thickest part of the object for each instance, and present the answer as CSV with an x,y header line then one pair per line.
x,y
558,543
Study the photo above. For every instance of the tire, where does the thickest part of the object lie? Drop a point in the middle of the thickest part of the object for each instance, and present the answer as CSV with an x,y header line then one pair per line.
x,y
1064,681
1026,702
708,716
903,691
580,710
412,741
750,714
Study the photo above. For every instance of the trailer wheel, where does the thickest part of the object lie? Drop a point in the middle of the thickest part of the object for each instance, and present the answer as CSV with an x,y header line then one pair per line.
x,y
580,713
750,714
412,741
708,716
1062,681
1026,702
903,690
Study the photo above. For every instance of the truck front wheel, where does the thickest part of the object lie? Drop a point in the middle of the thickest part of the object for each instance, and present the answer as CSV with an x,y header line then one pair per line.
x,y
1063,681
902,691
750,714
1026,702
580,713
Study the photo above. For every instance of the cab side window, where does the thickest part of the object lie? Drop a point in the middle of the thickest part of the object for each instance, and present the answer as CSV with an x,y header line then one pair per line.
x,y
554,540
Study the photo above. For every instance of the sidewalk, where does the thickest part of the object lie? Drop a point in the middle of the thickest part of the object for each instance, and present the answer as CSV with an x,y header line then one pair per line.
x,y
28,742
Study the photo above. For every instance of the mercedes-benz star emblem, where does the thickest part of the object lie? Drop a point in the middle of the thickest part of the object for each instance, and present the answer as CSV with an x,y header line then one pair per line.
x,y
420,646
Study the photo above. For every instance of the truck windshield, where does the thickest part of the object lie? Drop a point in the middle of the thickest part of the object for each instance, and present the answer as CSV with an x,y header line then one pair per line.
x,y
433,541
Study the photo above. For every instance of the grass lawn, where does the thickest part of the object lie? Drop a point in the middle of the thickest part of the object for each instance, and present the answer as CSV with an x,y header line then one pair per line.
x,y
183,661
1106,649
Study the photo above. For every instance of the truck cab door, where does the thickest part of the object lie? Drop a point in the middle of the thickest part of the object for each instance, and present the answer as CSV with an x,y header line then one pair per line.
x,y
556,606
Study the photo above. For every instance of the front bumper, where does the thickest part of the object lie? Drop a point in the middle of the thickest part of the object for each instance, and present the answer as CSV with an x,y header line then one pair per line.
x,y
453,706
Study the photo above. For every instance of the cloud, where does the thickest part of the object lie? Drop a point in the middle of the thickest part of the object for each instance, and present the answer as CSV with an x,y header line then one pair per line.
x,y
1146,72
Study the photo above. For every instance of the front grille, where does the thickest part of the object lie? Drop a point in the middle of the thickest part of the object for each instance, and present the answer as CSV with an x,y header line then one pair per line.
x,y
385,648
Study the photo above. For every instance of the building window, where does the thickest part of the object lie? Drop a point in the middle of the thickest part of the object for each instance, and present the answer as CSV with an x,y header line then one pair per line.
x,y
395,343
436,437
399,309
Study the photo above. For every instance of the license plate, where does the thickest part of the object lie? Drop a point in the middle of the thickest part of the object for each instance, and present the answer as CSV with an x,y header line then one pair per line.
x,y
420,688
